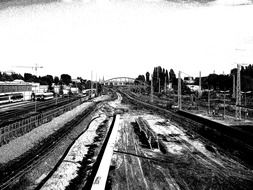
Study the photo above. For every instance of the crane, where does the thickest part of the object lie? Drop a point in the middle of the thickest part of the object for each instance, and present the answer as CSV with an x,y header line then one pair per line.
x,y
36,67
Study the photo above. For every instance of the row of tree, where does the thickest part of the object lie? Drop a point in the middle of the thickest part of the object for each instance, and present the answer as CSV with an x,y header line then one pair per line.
x,y
64,79
161,77
225,82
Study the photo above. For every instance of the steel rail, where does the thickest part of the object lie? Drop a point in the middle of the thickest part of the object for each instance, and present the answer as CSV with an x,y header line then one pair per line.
x,y
38,155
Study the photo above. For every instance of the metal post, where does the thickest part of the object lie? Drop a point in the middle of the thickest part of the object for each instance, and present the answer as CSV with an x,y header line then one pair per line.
x,y
234,93
245,105
208,101
35,106
224,106
96,85
165,86
224,102
200,84
179,91
200,80
159,90
56,99
91,85
152,90
238,115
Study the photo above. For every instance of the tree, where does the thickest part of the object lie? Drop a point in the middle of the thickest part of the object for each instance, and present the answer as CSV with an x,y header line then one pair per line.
x,y
47,80
79,86
147,77
247,78
167,77
161,77
172,77
61,90
17,76
66,79
27,76
56,80
140,78
87,84
6,77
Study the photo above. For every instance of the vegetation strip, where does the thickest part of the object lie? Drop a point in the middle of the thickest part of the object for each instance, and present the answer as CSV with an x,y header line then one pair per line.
x,y
63,156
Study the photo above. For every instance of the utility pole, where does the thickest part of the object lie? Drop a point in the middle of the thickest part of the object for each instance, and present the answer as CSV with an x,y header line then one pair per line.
x,y
238,113
158,81
35,105
96,85
152,90
234,91
200,80
165,85
199,83
56,99
179,91
159,90
91,86
208,101
224,102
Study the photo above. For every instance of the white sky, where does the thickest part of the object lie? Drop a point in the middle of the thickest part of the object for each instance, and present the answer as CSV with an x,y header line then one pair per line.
x,y
126,38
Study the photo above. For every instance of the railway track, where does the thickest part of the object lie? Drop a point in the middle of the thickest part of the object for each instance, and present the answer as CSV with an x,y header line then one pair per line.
x,y
11,173
90,166
231,140
23,110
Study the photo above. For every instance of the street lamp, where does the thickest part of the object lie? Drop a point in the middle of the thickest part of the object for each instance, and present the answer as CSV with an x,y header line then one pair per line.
x,y
224,92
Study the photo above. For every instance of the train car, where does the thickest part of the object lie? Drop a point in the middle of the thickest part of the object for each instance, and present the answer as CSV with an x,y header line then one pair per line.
x,y
9,98
16,97
43,96
38,97
4,98
48,95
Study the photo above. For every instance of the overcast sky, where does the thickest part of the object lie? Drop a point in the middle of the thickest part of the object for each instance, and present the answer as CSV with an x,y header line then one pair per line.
x,y
126,38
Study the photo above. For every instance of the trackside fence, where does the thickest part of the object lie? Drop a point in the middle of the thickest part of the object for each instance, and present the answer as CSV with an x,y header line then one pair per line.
x,y
19,128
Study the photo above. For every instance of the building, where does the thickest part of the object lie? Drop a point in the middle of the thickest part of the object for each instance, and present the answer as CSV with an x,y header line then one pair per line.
x,y
193,88
37,88
16,86
74,90
19,86
189,80
76,80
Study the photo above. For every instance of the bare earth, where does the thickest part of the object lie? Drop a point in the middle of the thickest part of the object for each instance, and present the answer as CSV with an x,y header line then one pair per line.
x,y
183,161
